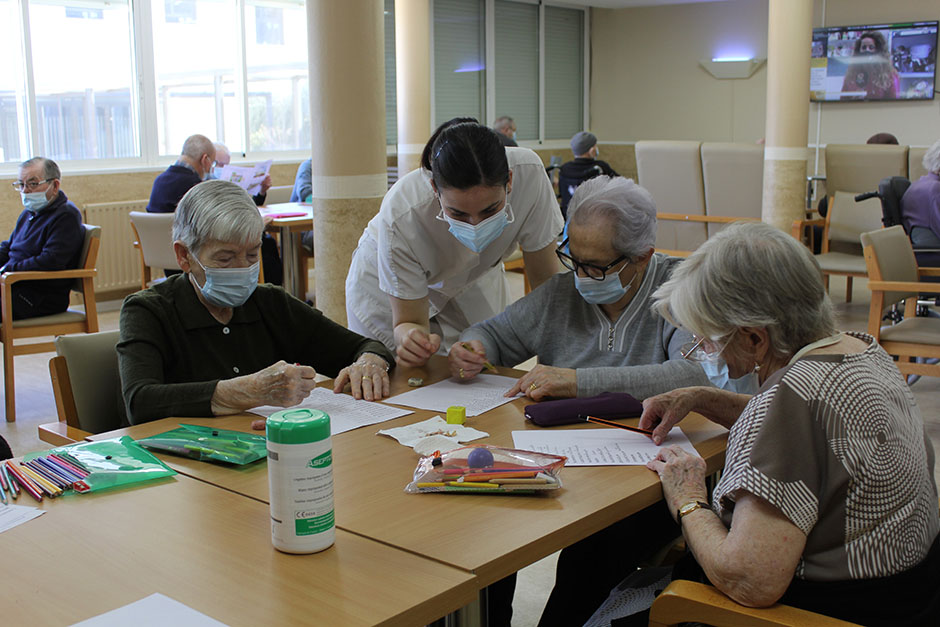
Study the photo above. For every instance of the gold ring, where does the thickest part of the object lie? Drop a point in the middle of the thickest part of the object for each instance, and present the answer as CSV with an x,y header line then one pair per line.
x,y
460,373
533,386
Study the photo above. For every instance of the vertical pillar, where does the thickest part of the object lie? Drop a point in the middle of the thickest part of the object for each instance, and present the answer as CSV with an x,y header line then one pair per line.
x,y
347,107
413,80
790,26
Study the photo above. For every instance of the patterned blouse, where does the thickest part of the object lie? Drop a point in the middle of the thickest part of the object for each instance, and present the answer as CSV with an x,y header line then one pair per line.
x,y
837,444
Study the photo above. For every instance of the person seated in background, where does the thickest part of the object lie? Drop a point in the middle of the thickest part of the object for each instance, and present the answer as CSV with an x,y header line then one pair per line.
x,y
505,127
596,332
303,192
270,257
192,167
212,341
827,500
585,166
48,236
920,205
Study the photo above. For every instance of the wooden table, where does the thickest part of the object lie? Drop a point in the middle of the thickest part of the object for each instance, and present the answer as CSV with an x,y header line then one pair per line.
x,y
290,230
508,532
209,549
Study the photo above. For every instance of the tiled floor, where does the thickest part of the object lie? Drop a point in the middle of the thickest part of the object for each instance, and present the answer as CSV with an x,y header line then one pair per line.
x,y
36,405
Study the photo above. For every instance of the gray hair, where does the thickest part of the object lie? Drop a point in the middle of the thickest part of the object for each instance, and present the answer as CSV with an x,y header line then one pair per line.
x,y
217,211
503,122
625,204
750,275
932,158
50,169
221,148
197,145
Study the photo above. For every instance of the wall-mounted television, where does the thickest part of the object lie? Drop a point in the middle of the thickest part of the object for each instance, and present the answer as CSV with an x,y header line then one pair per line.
x,y
874,62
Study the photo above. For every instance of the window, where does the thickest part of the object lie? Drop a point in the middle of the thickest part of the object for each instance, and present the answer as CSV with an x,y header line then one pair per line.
x,y
278,92
546,102
458,59
564,71
391,97
517,65
83,72
14,140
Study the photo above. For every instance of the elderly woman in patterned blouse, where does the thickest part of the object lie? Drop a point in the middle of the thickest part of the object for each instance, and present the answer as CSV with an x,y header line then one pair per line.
x,y
827,500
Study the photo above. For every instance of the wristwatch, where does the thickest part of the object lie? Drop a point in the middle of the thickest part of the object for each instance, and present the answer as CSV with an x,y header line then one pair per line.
x,y
688,508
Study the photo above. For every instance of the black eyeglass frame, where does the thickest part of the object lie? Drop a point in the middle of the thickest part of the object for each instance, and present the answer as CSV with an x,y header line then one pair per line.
x,y
574,265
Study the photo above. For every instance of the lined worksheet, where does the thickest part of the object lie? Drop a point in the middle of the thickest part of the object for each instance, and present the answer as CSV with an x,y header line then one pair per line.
x,y
345,412
479,394
598,447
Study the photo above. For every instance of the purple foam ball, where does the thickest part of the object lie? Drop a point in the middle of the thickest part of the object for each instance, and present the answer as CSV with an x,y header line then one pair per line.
x,y
480,458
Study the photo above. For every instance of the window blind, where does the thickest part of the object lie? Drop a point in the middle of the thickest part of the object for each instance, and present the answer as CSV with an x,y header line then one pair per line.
x,y
517,65
391,96
564,72
459,86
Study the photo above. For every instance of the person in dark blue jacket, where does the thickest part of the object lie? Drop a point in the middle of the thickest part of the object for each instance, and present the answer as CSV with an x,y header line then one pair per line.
x,y
48,236
191,168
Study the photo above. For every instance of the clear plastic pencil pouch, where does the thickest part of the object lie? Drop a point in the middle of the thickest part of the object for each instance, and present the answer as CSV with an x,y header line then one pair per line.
x,y
110,463
209,444
487,469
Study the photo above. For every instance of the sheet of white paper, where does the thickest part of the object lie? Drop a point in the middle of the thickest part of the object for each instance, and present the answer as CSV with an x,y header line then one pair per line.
x,y
13,515
249,177
433,434
480,394
598,447
346,413
157,610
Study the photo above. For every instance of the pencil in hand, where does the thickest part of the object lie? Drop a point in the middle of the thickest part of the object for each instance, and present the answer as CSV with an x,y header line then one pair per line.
x,y
487,365
610,423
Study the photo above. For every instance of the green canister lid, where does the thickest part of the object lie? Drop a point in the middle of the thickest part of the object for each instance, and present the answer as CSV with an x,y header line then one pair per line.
x,y
298,426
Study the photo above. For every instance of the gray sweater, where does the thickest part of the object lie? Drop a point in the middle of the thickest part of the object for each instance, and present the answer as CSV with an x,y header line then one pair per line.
x,y
638,354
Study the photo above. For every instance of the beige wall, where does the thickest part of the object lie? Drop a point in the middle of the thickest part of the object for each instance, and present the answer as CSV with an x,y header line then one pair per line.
x,y
646,82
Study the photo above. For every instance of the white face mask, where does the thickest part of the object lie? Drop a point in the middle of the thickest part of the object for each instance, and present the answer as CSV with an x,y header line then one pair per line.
x,y
717,372
604,292
478,237
229,287
34,201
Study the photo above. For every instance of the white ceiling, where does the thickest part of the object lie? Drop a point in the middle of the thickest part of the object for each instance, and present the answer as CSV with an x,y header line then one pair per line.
x,y
628,4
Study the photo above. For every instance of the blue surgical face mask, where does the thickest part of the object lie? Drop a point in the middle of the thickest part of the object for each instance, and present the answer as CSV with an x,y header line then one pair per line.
x,y
602,292
717,372
478,237
34,201
229,287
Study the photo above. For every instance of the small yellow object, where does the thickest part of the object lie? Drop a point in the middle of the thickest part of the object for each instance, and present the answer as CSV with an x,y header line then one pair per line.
x,y
471,484
431,484
456,415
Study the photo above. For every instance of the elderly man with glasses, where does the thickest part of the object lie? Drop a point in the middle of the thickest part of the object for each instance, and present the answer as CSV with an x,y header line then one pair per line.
x,y
48,236
592,328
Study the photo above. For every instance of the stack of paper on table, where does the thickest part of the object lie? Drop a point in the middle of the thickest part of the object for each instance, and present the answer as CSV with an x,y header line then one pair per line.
x,y
345,412
479,394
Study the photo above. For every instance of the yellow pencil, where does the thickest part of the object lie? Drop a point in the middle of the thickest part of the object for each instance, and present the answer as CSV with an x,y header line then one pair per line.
x,y
44,483
471,484
431,484
486,364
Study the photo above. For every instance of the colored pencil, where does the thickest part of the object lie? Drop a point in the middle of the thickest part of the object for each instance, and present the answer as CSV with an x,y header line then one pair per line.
x,y
14,489
62,469
45,474
61,460
601,421
25,483
50,468
3,493
44,484
486,364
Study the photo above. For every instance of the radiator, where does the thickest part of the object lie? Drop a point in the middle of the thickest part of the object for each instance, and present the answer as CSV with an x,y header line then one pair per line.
x,y
118,260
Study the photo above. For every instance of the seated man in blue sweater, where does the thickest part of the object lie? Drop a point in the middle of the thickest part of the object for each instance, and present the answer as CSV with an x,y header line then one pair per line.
x,y
303,192
192,167
48,236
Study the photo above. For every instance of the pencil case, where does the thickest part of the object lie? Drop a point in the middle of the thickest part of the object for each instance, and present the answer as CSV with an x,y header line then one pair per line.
x,y
567,411
209,445
487,470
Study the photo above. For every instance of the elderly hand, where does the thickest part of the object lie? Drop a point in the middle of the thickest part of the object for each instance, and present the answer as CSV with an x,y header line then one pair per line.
x,y
664,411
266,184
367,378
546,382
416,346
283,384
682,475
466,363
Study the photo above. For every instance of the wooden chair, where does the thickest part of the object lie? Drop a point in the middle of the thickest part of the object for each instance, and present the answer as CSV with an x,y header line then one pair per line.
x,y
893,276
516,263
154,241
278,194
69,321
87,386
686,601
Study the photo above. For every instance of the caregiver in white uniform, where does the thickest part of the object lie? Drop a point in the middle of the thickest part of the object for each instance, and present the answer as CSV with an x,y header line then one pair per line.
x,y
429,264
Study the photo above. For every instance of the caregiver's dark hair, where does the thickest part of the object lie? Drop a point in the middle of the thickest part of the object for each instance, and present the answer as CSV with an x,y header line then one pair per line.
x,y
462,154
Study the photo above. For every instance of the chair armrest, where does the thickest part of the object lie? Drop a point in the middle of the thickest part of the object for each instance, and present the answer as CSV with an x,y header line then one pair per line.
x,y
798,225
903,286
60,434
682,217
684,601
928,271
8,278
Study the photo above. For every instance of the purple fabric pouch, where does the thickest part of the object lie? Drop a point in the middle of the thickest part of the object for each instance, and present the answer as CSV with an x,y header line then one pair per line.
x,y
567,411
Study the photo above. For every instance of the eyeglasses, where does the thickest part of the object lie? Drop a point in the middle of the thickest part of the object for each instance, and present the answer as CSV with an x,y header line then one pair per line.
x,y
703,348
589,269
30,184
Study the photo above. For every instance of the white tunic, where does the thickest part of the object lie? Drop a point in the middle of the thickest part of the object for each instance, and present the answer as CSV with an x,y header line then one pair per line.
x,y
406,252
